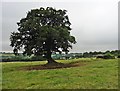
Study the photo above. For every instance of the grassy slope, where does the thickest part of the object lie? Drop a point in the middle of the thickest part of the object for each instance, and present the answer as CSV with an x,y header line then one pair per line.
x,y
96,74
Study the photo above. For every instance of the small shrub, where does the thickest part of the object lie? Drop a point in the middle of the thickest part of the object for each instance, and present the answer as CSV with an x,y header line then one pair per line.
x,y
100,56
118,56
37,58
109,56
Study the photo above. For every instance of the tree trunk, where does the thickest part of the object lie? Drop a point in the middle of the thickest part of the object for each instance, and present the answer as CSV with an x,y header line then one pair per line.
x,y
49,58
49,43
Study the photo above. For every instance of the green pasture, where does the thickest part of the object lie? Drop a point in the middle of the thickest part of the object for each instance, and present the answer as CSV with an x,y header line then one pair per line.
x,y
92,74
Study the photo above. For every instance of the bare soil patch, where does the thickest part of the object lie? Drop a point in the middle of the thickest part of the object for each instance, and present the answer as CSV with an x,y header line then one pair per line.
x,y
52,66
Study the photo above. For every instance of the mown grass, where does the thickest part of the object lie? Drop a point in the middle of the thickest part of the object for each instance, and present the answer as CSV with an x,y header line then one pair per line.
x,y
95,74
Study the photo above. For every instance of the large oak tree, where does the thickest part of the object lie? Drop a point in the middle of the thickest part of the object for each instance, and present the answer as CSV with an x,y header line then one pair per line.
x,y
42,32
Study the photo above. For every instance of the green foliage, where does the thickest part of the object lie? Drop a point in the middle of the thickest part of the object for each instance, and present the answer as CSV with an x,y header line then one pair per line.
x,y
20,57
87,55
109,56
16,58
43,31
36,58
11,57
118,56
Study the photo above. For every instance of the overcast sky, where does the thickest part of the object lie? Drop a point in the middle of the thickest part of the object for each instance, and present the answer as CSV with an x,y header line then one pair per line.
x,y
94,22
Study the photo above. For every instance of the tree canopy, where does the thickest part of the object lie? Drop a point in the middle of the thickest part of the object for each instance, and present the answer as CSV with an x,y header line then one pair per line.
x,y
42,32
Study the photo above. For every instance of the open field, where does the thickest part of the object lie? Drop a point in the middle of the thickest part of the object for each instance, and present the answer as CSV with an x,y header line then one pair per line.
x,y
91,74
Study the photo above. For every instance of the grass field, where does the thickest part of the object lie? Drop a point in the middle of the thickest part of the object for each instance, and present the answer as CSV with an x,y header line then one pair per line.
x,y
93,74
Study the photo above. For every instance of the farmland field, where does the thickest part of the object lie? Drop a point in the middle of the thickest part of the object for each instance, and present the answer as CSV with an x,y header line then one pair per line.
x,y
90,74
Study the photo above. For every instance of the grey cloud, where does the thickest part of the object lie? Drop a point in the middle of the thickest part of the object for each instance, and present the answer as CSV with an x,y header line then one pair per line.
x,y
94,24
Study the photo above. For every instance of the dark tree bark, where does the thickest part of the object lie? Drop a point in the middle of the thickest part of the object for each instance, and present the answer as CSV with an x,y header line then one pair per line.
x,y
49,43
49,58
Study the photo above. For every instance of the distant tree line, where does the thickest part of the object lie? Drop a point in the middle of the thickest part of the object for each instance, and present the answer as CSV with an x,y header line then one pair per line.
x,y
106,54
20,57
